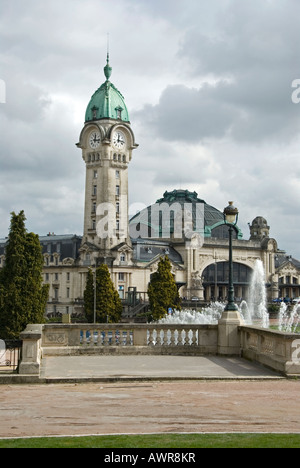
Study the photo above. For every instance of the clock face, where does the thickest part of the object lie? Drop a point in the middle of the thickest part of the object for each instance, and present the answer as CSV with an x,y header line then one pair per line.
x,y
95,140
119,140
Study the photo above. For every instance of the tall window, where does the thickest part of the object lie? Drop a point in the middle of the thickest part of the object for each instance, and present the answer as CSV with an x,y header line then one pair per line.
x,y
121,292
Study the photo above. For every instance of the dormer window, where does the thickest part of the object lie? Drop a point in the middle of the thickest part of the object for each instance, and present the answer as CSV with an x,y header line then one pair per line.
x,y
119,112
122,258
94,111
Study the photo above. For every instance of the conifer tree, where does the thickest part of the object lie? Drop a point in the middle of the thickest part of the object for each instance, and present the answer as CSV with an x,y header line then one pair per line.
x,y
23,295
89,296
108,302
162,290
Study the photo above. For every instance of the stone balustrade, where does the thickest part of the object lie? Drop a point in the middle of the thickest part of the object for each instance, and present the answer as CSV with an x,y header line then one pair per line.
x,y
276,350
129,338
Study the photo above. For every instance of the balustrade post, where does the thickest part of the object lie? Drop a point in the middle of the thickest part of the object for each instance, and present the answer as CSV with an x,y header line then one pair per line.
x,y
31,350
229,342
140,336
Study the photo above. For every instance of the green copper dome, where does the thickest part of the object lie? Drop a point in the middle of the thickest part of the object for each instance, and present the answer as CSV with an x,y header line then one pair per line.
x,y
107,102
202,218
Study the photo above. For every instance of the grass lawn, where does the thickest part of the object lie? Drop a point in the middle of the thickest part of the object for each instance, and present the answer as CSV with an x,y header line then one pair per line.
x,y
156,441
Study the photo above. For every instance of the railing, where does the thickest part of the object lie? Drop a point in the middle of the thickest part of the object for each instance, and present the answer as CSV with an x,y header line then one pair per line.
x,y
193,338
169,336
10,355
106,337
156,336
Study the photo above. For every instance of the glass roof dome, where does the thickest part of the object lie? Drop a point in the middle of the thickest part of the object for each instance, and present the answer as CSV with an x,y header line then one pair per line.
x,y
194,215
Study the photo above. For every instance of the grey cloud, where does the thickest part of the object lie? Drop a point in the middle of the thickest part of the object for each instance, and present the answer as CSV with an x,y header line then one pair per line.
x,y
252,108
246,35
24,101
164,55
191,115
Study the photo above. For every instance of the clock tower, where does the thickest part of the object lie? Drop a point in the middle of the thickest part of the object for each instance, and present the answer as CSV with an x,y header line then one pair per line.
x,y
107,142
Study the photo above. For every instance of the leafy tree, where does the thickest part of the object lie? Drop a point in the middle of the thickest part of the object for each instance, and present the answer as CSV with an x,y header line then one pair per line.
x,y
108,302
23,295
162,290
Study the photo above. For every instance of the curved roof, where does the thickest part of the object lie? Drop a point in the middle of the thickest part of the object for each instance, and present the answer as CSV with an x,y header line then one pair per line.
x,y
176,211
107,102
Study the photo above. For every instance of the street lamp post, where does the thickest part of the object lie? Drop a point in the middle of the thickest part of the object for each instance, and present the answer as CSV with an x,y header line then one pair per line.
x,y
231,217
228,326
95,292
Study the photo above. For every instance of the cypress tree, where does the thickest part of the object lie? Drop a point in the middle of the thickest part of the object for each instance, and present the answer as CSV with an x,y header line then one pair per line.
x,y
108,302
89,297
23,296
162,290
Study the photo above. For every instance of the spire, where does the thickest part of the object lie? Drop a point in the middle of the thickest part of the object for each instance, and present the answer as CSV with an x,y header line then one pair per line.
x,y
107,68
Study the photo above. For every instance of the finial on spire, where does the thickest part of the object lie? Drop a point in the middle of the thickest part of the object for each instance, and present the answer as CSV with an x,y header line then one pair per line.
x,y
107,68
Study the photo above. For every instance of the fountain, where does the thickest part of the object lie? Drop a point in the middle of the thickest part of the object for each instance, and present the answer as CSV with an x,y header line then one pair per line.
x,y
258,297
254,311
208,315
288,322
282,316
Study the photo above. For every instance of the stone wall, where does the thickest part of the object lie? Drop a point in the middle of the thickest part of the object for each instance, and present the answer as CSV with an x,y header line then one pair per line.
x,y
274,349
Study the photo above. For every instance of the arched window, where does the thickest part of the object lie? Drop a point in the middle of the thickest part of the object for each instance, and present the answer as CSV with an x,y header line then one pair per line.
x,y
219,272
216,278
122,257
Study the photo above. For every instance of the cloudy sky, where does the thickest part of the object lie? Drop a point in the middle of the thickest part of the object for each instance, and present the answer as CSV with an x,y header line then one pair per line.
x,y
208,86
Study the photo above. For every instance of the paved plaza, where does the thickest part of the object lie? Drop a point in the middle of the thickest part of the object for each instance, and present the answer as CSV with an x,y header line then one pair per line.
x,y
149,394
81,368
150,407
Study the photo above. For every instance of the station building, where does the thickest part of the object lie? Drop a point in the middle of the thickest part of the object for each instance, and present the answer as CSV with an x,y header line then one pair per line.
x,y
181,225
